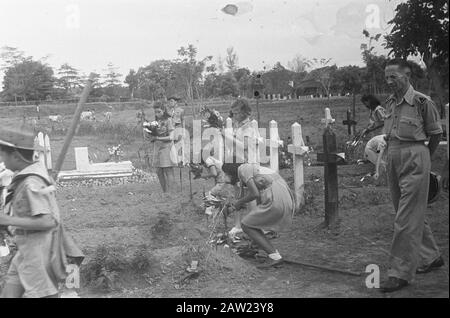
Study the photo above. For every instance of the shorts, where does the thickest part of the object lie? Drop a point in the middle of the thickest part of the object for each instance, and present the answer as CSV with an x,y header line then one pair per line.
x,y
32,271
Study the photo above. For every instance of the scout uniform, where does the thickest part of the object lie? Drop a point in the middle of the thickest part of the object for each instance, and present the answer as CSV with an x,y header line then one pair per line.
x,y
42,256
408,123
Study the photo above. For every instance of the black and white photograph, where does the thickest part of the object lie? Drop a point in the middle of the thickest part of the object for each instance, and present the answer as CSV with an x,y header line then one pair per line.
x,y
220,156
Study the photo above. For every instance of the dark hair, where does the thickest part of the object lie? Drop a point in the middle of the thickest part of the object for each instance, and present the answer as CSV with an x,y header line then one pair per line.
x,y
243,104
160,105
25,153
372,100
401,63
231,169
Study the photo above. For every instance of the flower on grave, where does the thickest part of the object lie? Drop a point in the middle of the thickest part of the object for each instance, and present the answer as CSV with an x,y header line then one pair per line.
x,y
116,152
151,127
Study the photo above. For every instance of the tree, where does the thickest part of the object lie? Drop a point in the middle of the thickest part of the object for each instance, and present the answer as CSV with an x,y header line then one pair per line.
x,y
349,79
298,64
190,70
373,76
68,77
228,85
322,73
11,56
132,80
231,60
112,80
276,80
28,80
420,28
244,79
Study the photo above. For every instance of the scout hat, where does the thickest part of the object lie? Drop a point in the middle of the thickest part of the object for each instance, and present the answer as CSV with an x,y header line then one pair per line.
x,y
18,138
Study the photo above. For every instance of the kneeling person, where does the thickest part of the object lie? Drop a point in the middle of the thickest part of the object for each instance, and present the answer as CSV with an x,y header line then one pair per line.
x,y
275,204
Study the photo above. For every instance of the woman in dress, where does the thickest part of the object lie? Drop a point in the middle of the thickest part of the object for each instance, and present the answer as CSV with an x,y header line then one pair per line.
x,y
274,204
164,155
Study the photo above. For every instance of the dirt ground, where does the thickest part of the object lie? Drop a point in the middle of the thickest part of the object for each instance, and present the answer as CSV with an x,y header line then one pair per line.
x,y
174,229
139,242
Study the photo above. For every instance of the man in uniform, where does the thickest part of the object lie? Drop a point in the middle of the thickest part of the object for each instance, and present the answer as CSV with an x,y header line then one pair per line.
x,y
411,118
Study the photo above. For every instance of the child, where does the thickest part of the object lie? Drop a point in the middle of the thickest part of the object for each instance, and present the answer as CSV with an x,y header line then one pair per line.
x,y
33,218
374,152
164,156
274,208
377,113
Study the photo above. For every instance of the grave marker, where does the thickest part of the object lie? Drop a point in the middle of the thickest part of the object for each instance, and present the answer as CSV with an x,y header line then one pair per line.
x,y
298,149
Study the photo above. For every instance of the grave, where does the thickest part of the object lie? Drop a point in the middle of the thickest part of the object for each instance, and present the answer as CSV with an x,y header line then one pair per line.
x,y
87,170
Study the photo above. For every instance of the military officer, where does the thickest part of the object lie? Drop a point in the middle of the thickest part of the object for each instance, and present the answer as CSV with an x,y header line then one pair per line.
x,y
411,118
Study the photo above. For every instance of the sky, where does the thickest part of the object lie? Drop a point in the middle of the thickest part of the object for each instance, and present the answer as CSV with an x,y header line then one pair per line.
x,y
89,34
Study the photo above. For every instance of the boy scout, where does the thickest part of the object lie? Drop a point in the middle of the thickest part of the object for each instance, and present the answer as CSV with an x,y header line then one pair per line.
x,y
411,118
33,218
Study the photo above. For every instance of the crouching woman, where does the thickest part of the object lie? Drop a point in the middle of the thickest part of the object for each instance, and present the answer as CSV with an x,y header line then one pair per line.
x,y
275,204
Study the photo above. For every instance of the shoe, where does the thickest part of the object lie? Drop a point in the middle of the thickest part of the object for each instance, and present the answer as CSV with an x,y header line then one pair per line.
x,y
439,262
393,284
270,263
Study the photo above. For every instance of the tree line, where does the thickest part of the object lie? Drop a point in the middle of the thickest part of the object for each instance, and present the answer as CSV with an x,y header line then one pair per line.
x,y
192,77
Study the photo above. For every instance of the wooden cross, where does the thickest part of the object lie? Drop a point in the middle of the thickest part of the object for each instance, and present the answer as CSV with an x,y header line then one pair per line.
x,y
350,122
298,149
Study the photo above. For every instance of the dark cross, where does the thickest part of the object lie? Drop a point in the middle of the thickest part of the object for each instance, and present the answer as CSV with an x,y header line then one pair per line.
x,y
330,159
350,122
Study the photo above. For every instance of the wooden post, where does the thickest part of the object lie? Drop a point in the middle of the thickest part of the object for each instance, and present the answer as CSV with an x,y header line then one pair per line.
x,y
73,126
274,143
298,150
331,178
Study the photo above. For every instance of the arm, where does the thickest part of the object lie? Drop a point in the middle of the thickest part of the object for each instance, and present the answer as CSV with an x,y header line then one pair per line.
x,y
40,222
212,172
377,166
434,143
252,194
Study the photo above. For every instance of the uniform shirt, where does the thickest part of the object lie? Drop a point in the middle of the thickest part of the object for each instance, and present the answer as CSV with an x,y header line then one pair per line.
x,y
33,196
413,118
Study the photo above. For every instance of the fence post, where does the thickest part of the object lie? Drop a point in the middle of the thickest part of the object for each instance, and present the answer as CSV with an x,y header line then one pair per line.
x,y
274,143
298,150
